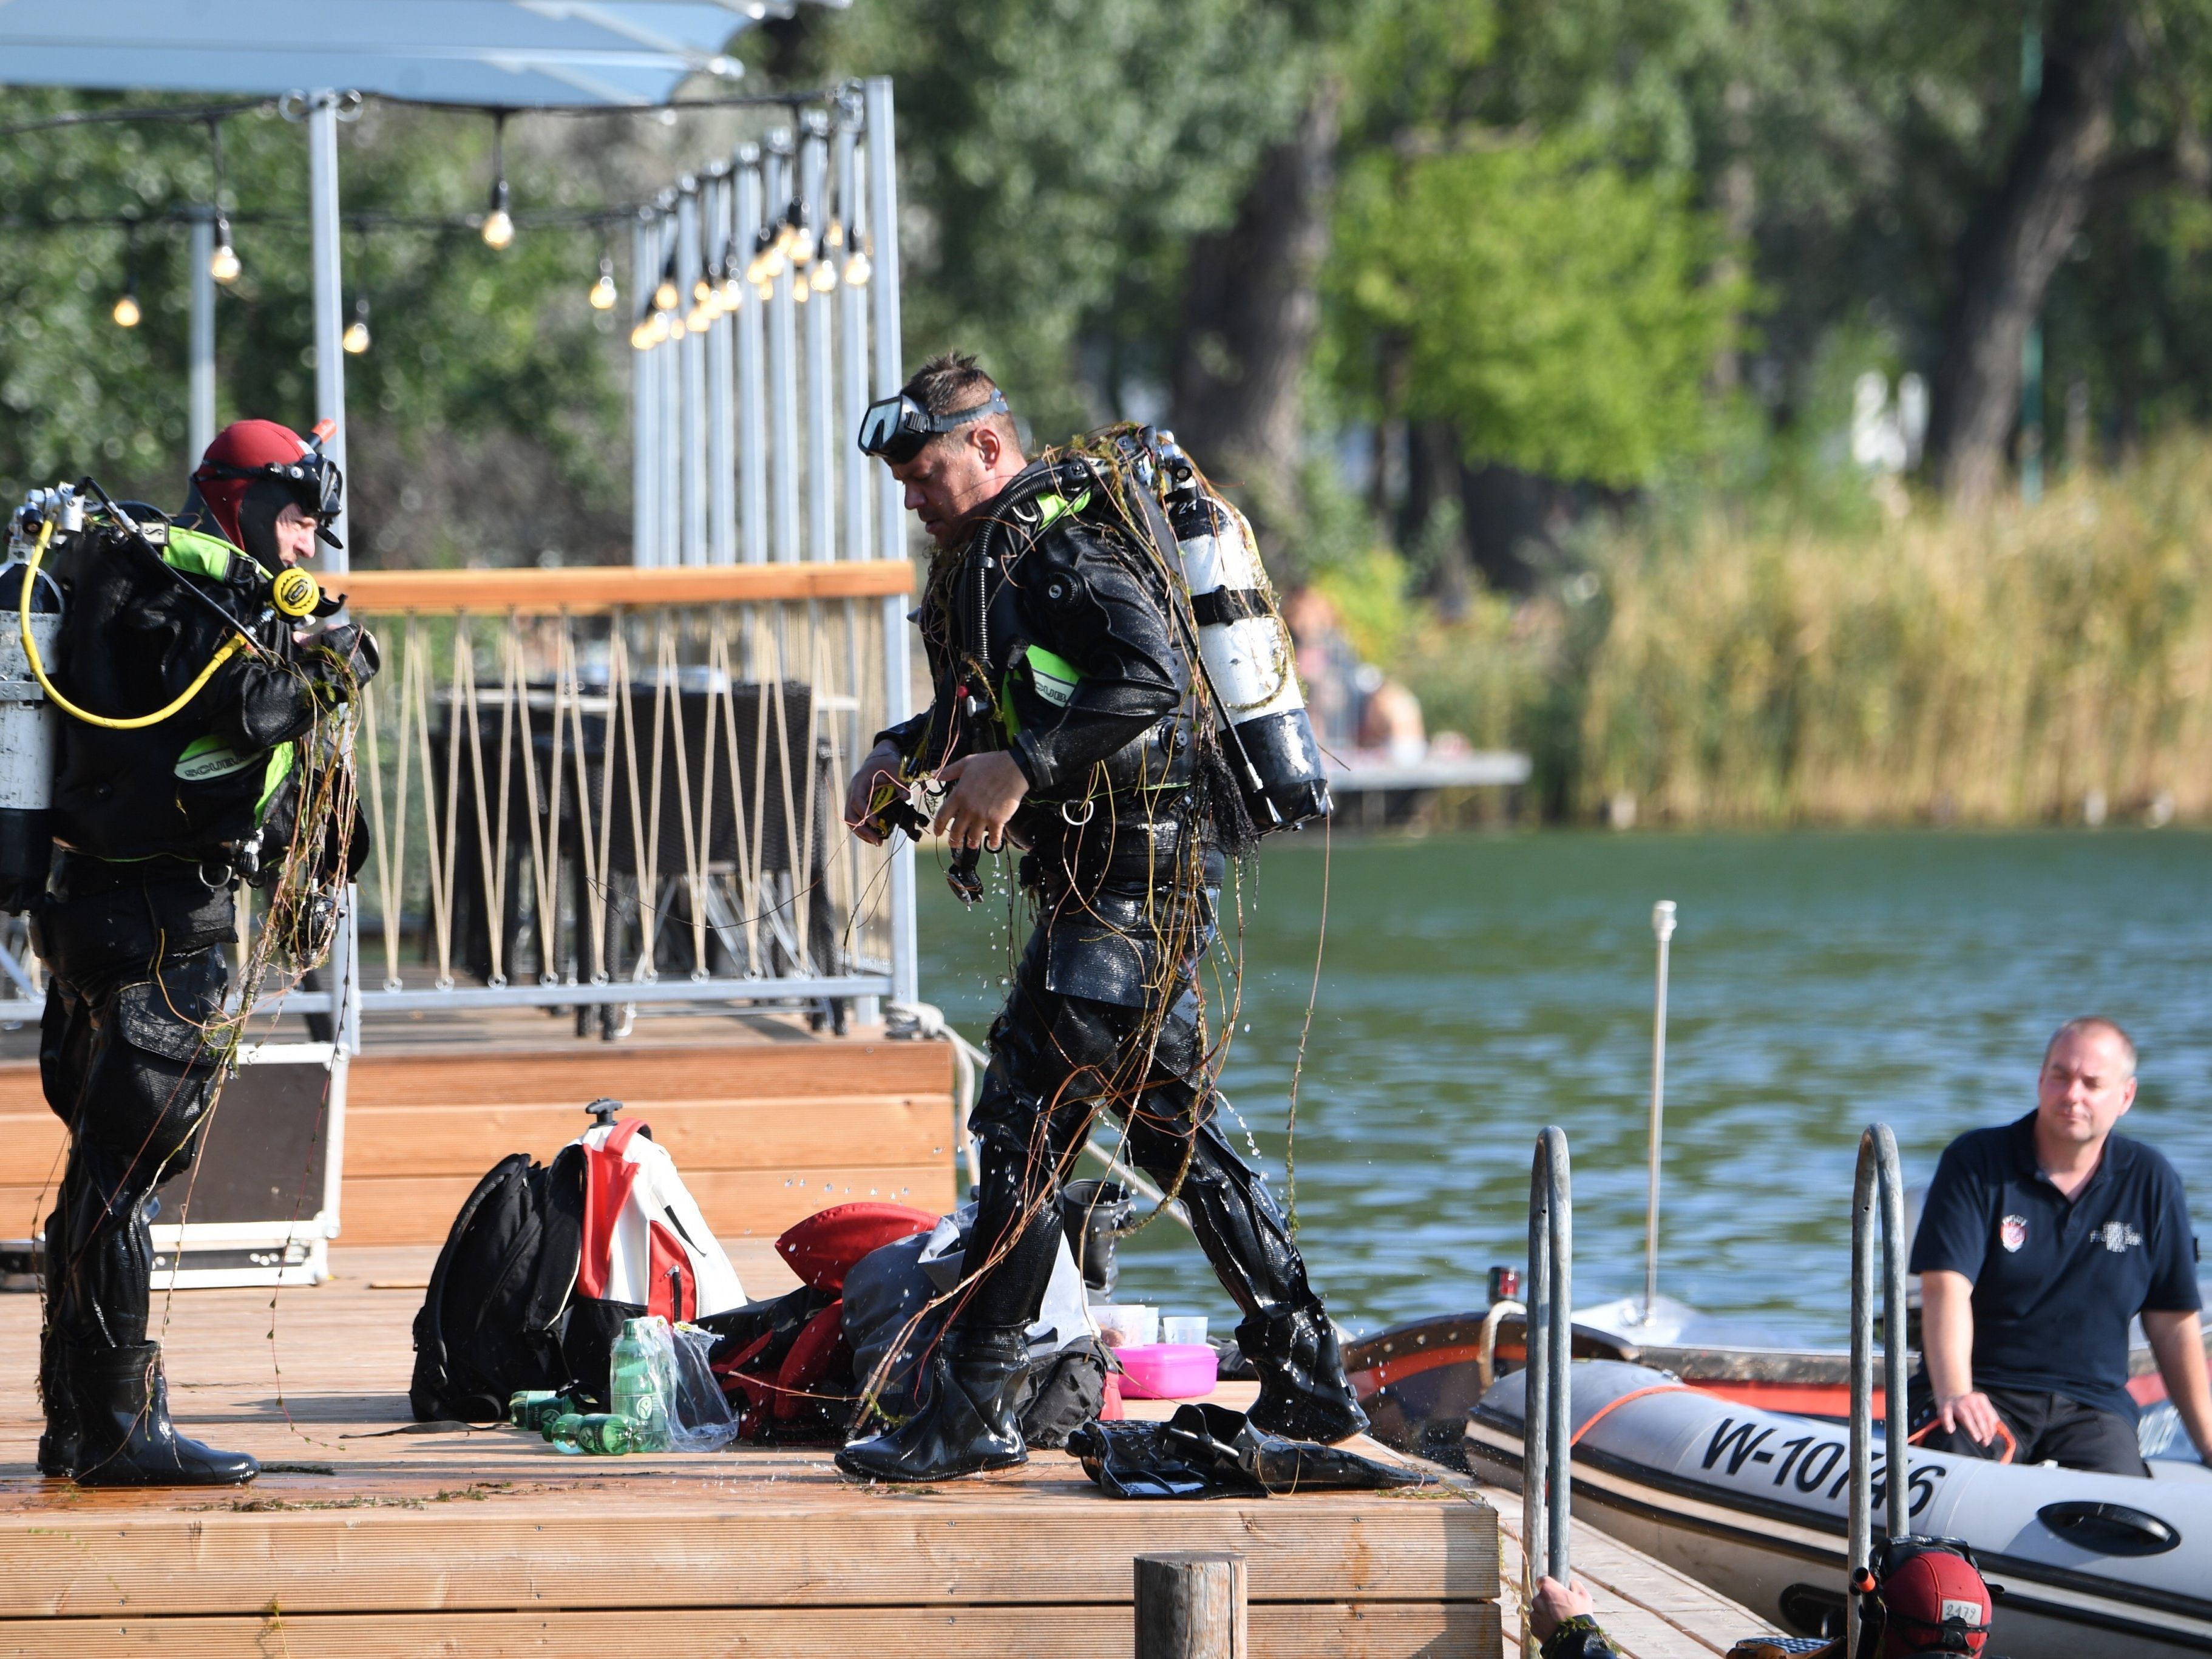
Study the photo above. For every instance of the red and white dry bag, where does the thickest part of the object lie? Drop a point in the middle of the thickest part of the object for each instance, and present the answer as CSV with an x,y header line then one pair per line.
x,y
645,1242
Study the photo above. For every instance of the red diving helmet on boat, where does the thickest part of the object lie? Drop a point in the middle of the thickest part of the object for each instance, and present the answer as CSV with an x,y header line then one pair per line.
x,y
1933,1598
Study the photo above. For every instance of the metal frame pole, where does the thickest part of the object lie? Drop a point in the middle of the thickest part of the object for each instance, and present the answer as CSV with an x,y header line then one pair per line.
x,y
821,363
692,370
329,286
668,389
783,369
1547,1405
752,392
1879,1176
1662,926
853,364
890,538
199,423
645,403
722,392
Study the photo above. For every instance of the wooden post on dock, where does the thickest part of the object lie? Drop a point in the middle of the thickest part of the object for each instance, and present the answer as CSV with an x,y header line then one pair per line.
x,y
1191,1606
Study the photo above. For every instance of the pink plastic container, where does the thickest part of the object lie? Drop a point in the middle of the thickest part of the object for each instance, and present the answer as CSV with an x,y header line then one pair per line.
x,y
1168,1370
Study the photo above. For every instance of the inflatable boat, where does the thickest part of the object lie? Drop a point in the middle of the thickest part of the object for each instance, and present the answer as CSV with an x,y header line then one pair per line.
x,y
1755,1502
1417,1381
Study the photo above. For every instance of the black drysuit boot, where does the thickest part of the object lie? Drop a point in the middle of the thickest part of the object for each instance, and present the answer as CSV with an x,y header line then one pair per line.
x,y
970,1420
125,1438
1303,1393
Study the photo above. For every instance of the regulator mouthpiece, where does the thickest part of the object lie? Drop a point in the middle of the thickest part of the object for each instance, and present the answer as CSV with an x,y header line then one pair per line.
x,y
295,593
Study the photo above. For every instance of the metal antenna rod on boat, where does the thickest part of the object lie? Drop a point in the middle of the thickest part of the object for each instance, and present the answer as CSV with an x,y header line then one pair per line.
x,y
1881,1178
1547,1406
1663,923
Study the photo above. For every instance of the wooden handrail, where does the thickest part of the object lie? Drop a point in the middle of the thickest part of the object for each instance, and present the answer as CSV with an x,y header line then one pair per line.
x,y
590,588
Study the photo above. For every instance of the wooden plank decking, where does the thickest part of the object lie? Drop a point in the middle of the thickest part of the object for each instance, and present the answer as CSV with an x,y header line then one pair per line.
x,y
475,1544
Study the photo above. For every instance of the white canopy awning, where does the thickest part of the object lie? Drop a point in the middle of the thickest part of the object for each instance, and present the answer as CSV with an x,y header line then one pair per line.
x,y
494,51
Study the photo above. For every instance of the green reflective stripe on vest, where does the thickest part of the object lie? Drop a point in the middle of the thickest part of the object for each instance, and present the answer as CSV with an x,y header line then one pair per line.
x,y
1052,675
1050,508
281,761
199,554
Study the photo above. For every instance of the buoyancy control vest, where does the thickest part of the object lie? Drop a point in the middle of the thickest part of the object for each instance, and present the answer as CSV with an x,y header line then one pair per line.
x,y
198,785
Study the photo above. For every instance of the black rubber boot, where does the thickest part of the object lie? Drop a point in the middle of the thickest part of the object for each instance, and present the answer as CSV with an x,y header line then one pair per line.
x,y
57,1445
1303,1394
970,1421
125,1438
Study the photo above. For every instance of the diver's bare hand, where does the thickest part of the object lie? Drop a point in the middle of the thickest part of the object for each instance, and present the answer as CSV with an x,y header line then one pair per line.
x,y
985,790
881,765
1972,1411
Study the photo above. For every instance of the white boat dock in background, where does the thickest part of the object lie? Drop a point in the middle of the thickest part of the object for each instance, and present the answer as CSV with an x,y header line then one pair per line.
x,y
1366,780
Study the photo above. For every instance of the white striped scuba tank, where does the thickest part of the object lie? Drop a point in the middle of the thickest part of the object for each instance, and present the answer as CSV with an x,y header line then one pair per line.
x,y
1249,659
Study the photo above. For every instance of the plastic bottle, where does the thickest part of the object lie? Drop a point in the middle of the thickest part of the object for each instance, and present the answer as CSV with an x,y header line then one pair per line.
x,y
599,1433
641,1383
533,1408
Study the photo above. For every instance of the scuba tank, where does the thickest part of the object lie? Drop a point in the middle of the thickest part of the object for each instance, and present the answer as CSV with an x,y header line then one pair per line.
x,y
1249,658
29,723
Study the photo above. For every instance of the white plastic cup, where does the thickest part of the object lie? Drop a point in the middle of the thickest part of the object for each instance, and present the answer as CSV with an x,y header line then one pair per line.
x,y
1186,1330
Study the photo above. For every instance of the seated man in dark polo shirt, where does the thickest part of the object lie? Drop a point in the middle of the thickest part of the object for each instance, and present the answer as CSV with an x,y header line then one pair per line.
x,y
2038,1241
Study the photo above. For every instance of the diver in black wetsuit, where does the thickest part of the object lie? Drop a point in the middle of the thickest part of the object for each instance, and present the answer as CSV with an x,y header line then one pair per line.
x,y
154,824
1063,716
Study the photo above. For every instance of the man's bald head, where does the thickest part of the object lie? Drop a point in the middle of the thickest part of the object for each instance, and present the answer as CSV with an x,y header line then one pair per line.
x,y
2097,1025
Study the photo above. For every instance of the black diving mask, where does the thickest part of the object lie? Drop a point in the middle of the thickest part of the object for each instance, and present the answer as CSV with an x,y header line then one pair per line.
x,y
894,428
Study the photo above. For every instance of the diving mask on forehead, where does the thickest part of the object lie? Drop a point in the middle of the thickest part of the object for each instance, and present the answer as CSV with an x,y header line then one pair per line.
x,y
894,428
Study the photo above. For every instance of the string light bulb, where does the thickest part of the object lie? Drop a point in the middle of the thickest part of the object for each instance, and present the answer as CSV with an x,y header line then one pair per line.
x,y
651,331
666,294
797,238
800,291
354,340
499,224
602,294
858,268
223,265
126,311
834,237
822,276
767,263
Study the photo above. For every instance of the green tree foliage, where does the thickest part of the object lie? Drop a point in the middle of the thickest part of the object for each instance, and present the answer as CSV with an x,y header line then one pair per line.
x,y
467,344
1057,158
1561,313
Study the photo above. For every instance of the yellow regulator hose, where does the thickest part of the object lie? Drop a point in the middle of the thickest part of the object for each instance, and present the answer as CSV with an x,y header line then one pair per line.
x,y
231,647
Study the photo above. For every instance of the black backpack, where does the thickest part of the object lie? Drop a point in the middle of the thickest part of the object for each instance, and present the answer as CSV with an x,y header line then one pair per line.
x,y
497,1317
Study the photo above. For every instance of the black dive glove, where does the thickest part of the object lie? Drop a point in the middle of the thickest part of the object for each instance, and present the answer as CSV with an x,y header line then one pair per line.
x,y
1579,1638
350,644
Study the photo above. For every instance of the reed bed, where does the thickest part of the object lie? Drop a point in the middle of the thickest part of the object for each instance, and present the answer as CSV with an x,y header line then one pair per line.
x,y
2022,666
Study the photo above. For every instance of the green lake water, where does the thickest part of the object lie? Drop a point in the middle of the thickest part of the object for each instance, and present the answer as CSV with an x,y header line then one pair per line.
x,y
1476,988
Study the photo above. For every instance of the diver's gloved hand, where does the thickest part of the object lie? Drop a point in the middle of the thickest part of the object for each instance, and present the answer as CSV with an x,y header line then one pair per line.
x,y
351,645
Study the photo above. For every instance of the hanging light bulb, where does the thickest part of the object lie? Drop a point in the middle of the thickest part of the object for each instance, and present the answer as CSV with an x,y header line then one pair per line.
x,y
706,304
666,293
498,225
651,329
858,268
767,263
354,340
800,291
834,238
127,312
602,291
222,264
822,276
797,238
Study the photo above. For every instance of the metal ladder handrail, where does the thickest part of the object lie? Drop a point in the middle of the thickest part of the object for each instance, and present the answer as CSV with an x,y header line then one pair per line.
x,y
1879,1177
1547,1403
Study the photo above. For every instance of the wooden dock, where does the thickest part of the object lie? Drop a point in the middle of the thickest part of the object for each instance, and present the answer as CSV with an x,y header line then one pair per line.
x,y
359,1543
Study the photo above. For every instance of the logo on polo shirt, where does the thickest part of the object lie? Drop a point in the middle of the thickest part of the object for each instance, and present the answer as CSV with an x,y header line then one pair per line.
x,y
2117,1235
2012,1232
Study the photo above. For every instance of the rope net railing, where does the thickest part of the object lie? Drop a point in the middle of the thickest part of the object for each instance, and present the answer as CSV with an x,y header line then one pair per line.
x,y
594,804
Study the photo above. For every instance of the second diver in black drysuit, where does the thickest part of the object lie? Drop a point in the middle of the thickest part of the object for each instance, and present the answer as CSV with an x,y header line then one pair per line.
x,y
1051,635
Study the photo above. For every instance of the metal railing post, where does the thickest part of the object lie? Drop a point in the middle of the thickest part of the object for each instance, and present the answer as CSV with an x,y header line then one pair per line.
x,y
853,350
644,397
891,535
1548,1408
199,428
1662,926
752,388
722,381
1880,1178
819,347
782,178
691,368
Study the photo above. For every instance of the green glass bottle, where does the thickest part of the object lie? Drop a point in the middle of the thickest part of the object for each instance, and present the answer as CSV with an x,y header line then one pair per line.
x,y
641,1383
533,1408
